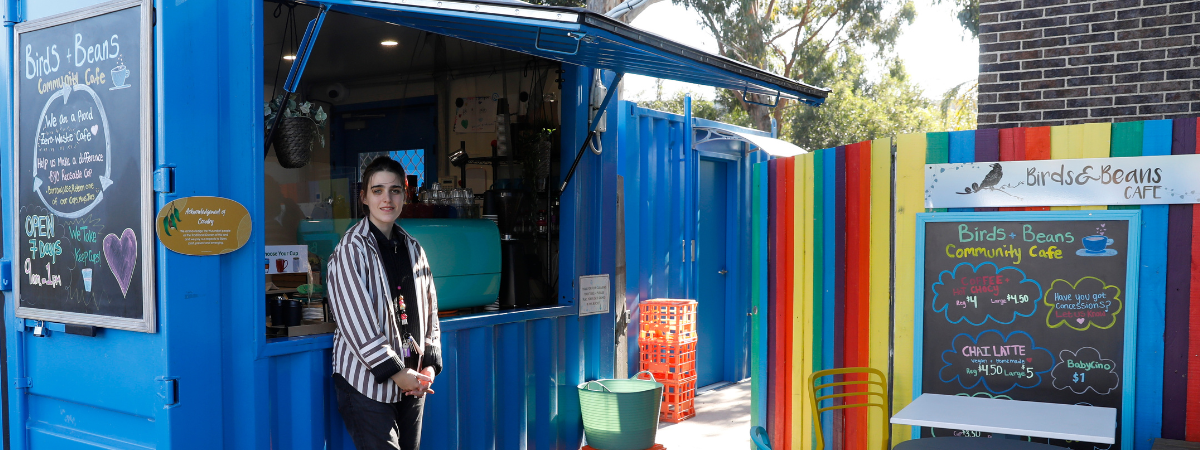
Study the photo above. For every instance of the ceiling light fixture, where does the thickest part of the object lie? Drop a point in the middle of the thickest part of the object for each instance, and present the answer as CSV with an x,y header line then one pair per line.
x,y
289,57
389,43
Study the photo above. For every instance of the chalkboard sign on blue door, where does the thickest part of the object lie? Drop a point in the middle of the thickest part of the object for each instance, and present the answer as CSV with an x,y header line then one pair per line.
x,y
83,168
1037,306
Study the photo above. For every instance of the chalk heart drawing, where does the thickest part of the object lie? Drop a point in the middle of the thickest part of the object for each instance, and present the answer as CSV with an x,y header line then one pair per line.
x,y
1085,369
1089,302
978,293
1001,363
121,254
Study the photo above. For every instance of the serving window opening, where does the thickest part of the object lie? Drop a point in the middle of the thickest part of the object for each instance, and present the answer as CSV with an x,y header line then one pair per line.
x,y
475,127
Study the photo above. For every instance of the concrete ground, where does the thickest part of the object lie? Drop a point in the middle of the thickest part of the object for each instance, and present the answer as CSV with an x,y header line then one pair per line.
x,y
722,422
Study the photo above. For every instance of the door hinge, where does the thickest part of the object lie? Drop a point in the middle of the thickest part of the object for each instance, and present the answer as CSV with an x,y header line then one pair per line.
x,y
168,390
22,383
164,179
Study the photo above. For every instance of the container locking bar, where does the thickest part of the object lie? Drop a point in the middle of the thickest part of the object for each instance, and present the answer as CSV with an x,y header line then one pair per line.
x,y
612,91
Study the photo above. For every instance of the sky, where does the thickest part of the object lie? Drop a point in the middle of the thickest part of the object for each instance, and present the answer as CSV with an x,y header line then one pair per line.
x,y
954,61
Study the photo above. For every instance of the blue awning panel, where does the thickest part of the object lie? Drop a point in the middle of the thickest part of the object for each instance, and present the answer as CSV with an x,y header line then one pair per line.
x,y
576,36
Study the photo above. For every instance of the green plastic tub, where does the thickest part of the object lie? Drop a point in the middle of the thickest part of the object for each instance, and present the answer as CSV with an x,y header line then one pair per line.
x,y
620,414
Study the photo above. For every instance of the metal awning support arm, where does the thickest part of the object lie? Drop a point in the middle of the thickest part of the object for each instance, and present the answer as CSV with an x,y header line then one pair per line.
x,y
293,78
591,134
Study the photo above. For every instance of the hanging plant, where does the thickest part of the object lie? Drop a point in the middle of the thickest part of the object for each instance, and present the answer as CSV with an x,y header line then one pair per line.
x,y
301,125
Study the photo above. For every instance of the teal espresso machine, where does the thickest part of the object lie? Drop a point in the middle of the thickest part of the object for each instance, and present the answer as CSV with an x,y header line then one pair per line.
x,y
464,255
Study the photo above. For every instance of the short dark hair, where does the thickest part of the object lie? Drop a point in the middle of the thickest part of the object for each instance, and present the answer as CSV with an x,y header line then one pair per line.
x,y
382,164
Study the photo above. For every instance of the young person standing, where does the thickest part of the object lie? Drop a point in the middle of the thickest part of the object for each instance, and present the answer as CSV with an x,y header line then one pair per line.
x,y
386,350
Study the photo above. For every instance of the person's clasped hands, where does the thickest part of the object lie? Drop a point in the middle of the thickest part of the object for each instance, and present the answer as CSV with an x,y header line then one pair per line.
x,y
414,383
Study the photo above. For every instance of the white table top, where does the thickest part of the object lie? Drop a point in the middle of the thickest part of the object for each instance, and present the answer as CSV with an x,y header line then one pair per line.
x,y
1020,418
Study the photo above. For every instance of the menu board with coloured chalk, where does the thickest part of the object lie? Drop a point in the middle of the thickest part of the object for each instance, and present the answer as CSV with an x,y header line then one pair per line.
x,y
84,157
1035,306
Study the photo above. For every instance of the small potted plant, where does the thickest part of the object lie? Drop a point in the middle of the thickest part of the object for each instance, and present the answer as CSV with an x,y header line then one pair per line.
x,y
301,124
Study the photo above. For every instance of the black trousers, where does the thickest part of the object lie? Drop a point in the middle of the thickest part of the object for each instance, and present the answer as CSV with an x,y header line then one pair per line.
x,y
376,425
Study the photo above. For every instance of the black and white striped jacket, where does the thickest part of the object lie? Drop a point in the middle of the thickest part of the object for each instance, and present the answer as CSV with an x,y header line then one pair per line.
x,y
367,333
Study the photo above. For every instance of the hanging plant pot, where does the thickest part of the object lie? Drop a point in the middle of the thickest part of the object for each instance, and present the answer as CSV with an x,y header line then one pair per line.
x,y
293,141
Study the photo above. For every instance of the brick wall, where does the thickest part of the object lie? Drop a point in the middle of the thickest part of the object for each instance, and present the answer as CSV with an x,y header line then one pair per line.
x,y
1060,62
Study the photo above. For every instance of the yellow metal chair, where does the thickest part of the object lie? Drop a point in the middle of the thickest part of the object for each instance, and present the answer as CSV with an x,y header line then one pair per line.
x,y
870,375
876,378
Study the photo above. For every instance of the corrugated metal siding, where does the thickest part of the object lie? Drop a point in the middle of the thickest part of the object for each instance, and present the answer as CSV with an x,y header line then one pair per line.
x,y
499,389
660,180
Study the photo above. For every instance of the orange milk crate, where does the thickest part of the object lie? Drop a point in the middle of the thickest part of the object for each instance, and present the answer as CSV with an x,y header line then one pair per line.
x,y
679,400
667,320
668,362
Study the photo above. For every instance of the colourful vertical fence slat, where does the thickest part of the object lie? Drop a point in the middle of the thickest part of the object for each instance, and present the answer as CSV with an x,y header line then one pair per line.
x,y
829,214
1037,147
758,278
1061,148
937,151
961,150
788,299
910,200
1011,148
803,439
839,306
880,271
855,421
1179,280
987,148
774,419
1152,289
818,262
1095,141
1126,142
1187,140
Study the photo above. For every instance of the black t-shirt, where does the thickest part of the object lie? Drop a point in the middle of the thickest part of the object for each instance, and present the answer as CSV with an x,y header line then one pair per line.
x,y
399,269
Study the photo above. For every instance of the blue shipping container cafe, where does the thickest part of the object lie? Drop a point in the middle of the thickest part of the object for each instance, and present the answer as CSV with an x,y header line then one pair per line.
x,y
120,108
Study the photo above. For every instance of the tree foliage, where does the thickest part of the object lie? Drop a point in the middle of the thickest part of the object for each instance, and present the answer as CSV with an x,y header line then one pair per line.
x,y
861,109
967,14
794,37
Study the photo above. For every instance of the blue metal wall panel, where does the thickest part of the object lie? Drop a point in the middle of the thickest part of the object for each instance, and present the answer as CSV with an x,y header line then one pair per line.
x,y
660,180
510,388
13,338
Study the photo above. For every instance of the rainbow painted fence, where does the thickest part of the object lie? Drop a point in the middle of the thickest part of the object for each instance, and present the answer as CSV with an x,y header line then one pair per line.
x,y
834,266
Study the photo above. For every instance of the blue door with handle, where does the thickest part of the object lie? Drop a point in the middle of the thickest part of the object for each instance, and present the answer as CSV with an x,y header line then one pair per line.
x,y
713,267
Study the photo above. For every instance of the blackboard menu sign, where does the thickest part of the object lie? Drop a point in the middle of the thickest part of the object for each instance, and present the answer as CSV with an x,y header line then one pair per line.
x,y
1035,306
84,166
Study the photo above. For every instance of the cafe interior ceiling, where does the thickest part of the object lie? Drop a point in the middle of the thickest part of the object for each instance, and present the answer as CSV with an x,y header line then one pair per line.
x,y
350,51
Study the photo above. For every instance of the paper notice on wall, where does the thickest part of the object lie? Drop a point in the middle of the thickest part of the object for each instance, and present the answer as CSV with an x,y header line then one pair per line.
x,y
475,115
286,259
593,294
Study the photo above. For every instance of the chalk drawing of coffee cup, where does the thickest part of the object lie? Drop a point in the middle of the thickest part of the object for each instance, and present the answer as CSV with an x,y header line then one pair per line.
x,y
119,75
87,280
1096,245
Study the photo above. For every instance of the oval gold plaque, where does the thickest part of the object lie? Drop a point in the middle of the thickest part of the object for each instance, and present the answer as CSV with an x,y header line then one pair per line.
x,y
203,226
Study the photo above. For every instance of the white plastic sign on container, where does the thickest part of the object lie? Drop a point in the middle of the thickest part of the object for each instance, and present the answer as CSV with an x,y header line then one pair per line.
x,y
286,259
593,294
1143,180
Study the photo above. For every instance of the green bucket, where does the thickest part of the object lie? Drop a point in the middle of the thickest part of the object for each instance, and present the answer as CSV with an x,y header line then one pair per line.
x,y
620,414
